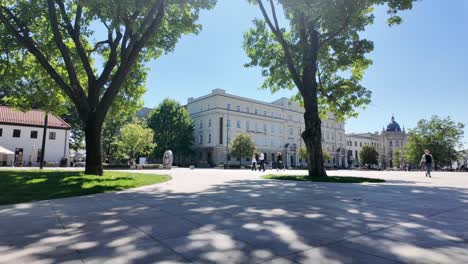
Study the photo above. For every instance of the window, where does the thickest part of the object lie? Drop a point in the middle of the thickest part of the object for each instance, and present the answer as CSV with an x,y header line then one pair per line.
x,y
238,108
229,140
247,110
16,133
228,106
290,131
272,128
209,139
265,128
355,143
209,122
229,123
247,125
200,124
1,132
264,113
272,114
52,135
256,111
200,139
272,142
391,143
34,134
238,124
360,144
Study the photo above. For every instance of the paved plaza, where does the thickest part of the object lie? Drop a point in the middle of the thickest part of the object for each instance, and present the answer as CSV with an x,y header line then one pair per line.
x,y
218,216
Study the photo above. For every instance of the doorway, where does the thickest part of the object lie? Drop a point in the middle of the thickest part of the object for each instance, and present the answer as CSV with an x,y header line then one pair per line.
x,y
18,157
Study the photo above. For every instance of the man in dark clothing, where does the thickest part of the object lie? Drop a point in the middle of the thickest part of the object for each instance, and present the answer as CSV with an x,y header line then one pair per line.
x,y
428,160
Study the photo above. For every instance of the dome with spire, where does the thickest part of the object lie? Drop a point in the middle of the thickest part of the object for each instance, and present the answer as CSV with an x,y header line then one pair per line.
x,y
393,126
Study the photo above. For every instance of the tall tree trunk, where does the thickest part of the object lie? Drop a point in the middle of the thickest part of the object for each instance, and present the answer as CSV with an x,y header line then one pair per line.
x,y
93,132
313,140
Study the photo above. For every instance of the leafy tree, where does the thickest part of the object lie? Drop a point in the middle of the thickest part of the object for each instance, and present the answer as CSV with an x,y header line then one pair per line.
x,y
369,155
242,147
60,35
173,129
398,157
321,53
303,154
134,141
442,136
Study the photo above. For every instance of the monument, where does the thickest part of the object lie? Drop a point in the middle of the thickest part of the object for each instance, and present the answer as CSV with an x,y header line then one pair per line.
x,y
168,157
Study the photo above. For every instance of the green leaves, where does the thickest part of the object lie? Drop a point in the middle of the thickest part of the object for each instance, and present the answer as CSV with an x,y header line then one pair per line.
x,y
442,136
135,141
369,155
173,128
242,146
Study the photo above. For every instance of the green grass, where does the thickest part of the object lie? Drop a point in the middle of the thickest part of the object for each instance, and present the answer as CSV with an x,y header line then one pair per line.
x,y
18,186
336,179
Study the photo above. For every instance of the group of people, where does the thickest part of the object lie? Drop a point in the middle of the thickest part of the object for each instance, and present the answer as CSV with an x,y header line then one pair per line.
x,y
259,159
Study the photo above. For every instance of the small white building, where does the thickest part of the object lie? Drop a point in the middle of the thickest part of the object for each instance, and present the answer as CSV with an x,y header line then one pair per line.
x,y
21,133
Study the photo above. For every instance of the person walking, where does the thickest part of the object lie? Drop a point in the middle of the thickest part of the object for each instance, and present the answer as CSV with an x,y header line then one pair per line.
x,y
254,162
428,160
262,161
279,162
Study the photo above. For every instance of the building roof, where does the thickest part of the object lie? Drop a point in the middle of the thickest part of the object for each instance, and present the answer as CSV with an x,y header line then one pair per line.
x,y
393,126
33,117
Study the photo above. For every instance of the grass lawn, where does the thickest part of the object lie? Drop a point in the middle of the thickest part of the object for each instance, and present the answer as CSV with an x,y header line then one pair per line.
x,y
336,179
18,186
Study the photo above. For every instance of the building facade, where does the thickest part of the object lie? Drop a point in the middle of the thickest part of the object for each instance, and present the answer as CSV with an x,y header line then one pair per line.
x,y
391,138
274,127
21,133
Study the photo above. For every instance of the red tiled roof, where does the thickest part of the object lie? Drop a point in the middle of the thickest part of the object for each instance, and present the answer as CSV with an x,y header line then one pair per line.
x,y
33,117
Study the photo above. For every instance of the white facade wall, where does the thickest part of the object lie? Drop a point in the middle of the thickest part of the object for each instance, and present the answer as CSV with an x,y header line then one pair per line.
x,y
56,148
274,127
355,142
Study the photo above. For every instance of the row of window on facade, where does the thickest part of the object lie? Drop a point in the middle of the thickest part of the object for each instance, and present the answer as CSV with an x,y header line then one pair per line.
x,y
256,140
350,144
34,133
247,126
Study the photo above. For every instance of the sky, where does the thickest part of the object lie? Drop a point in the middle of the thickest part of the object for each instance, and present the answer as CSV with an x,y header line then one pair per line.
x,y
420,68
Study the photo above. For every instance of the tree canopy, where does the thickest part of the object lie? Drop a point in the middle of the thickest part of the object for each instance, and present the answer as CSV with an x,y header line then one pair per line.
x,y
442,136
90,49
242,147
134,141
369,155
321,53
173,129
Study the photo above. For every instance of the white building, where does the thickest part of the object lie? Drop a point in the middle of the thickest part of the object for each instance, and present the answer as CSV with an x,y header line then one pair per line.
x,y
274,127
21,133
391,138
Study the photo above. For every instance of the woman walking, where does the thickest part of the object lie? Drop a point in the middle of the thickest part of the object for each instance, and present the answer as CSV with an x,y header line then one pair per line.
x,y
428,159
254,162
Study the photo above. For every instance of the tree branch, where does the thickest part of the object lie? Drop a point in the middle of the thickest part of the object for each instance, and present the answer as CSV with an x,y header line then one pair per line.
x,y
29,44
287,53
332,35
74,32
58,38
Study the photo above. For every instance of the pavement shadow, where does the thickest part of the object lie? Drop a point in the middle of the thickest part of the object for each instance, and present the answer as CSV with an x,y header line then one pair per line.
x,y
244,221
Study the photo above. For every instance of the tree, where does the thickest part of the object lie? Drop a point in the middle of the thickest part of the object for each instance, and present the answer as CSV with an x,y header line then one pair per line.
x,y
369,155
304,155
397,157
321,54
442,136
173,129
134,141
242,147
60,35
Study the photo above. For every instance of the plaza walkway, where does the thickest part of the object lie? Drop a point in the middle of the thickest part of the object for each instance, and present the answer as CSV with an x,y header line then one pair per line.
x,y
217,216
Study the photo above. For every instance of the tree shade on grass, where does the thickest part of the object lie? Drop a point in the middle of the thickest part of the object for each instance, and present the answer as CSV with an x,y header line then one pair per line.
x,y
18,186
336,179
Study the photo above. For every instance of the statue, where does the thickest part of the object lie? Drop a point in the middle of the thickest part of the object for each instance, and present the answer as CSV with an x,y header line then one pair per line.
x,y
167,159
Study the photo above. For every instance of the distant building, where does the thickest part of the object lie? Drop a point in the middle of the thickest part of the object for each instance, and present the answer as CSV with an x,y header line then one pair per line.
x,y
21,133
385,143
274,127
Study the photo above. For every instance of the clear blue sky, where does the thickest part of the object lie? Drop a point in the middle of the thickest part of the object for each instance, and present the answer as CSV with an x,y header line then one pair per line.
x,y
420,67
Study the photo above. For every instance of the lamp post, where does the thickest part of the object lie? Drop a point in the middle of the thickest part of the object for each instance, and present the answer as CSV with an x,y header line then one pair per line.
x,y
227,138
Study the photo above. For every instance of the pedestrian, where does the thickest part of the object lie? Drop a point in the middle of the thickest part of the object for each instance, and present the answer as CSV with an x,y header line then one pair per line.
x,y
254,162
279,161
262,161
428,160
